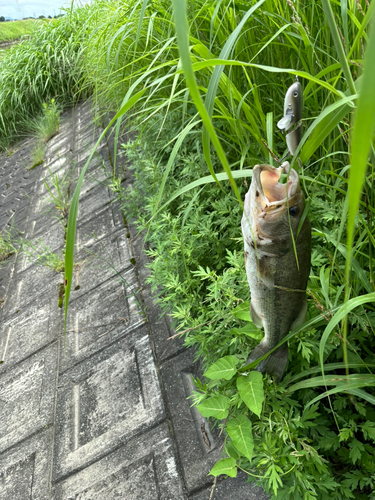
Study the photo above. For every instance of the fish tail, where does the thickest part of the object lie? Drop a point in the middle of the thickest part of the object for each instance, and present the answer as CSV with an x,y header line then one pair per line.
x,y
274,364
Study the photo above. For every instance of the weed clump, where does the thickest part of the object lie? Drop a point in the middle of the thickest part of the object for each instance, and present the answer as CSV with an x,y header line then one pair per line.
x,y
7,245
198,274
44,128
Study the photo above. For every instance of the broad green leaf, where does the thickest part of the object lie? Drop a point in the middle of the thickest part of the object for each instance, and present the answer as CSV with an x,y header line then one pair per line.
x,y
250,330
232,451
251,391
215,406
225,466
224,368
242,311
240,431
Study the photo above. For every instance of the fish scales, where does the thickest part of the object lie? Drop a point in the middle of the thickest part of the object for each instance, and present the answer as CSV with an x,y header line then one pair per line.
x,y
277,284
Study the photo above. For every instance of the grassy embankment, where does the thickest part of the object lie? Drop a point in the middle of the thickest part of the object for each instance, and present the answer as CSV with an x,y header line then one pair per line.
x,y
302,442
10,31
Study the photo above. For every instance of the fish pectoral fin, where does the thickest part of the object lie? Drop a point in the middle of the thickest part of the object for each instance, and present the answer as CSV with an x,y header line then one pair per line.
x,y
301,318
255,318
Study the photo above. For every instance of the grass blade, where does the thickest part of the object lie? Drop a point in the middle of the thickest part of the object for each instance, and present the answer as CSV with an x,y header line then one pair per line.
x,y
338,44
73,212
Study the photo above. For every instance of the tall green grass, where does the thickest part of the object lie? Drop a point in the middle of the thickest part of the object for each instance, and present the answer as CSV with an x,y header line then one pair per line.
x,y
43,67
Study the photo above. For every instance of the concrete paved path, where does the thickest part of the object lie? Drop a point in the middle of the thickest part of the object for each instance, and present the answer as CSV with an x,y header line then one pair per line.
x,y
100,414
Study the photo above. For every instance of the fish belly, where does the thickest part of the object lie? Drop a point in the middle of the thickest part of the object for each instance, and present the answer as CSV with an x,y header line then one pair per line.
x,y
278,303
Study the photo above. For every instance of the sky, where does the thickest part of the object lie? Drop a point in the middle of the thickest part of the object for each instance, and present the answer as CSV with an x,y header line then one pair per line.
x,y
17,9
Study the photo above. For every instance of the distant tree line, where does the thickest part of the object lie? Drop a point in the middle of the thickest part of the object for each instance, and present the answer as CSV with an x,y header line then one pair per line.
x,y
3,20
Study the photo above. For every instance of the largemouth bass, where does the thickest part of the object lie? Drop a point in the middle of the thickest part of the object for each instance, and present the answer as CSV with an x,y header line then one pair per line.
x,y
277,282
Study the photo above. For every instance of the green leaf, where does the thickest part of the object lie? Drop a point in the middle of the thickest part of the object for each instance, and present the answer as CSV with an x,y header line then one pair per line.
x,y
340,314
356,450
351,388
323,125
240,432
225,466
368,429
207,179
251,391
182,32
363,130
223,368
232,451
215,79
242,311
362,394
338,44
215,406
355,380
250,330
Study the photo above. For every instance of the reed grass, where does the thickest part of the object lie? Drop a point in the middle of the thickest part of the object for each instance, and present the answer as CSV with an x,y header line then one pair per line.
x,y
43,67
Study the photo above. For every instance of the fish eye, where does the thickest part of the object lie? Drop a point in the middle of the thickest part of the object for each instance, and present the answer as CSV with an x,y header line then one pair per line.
x,y
295,93
293,211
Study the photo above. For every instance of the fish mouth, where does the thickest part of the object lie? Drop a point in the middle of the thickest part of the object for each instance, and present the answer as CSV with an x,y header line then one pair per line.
x,y
270,193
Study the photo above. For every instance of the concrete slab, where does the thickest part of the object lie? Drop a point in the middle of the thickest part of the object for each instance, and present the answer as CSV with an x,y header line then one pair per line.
x,y
28,285
232,489
143,469
6,272
25,469
105,401
98,318
97,262
28,331
27,395
94,201
98,226
51,237
199,447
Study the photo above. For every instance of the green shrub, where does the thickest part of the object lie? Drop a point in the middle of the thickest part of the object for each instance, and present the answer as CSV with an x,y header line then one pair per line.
x,y
43,67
